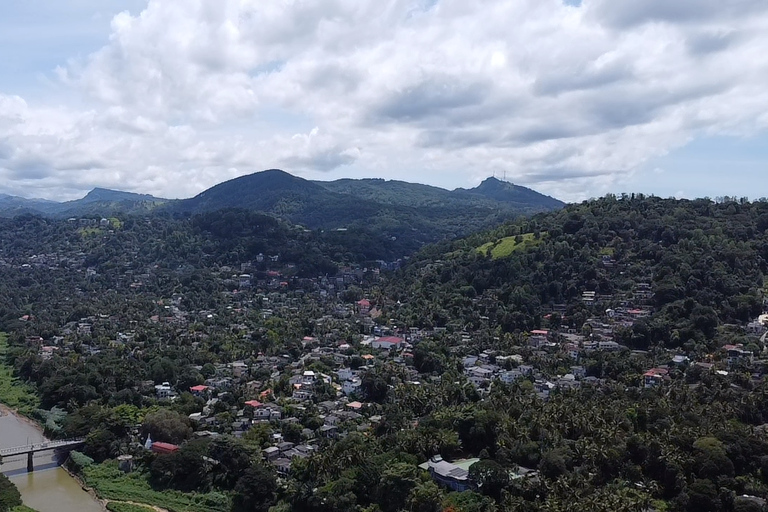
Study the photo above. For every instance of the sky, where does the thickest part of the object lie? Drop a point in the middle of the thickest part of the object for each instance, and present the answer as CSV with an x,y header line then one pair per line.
x,y
573,98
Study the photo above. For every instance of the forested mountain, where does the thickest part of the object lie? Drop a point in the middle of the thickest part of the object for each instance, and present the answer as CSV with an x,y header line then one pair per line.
x,y
508,193
491,193
401,216
408,214
99,201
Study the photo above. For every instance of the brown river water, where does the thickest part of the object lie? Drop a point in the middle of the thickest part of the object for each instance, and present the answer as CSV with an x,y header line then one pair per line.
x,y
45,490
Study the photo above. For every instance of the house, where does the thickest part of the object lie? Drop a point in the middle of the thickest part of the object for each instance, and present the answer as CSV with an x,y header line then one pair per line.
x,y
388,342
654,377
198,390
262,414
454,476
345,373
510,376
285,446
352,386
239,368
469,361
164,448
481,372
579,372
271,453
737,354
364,306
164,391
608,346
572,350
244,281
283,466
329,431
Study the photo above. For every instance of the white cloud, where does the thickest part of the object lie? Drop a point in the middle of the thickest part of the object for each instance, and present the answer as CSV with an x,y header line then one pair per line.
x,y
566,99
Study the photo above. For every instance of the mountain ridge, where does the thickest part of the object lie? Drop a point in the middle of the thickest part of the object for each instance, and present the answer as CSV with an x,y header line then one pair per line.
x,y
396,213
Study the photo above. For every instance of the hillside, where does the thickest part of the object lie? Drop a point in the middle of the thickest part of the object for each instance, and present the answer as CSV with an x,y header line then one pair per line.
x,y
696,265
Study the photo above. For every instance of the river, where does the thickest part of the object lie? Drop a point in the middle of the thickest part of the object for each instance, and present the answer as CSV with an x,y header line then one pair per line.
x,y
45,490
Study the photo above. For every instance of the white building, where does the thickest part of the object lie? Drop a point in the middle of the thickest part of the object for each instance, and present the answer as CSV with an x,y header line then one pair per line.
x,y
164,391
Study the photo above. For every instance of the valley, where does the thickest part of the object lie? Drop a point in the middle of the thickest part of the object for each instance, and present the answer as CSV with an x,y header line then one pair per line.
x,y
240,362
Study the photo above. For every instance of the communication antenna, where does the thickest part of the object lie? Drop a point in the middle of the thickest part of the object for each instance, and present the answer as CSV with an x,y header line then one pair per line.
x,y
505,176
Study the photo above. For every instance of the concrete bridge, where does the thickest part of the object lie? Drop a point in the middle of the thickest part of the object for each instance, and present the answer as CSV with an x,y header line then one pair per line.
x,y
62,446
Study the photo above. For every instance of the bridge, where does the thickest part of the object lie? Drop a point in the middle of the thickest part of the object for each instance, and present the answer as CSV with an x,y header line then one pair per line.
x,y
30,450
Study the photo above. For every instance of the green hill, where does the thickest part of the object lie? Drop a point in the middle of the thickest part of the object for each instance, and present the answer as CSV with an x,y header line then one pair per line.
x,y
696,265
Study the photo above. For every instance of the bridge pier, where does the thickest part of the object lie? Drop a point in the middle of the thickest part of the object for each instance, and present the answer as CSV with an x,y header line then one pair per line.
x,y
30,461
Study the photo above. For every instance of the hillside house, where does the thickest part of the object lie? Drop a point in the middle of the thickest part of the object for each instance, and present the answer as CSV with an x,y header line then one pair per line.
x,y
454,476
654,377
388,343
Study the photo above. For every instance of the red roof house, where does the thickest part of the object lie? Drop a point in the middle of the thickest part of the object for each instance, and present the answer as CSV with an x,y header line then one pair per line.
x,y
164,448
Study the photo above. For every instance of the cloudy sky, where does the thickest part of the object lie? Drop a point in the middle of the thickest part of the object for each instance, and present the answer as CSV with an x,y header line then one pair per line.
x,y
573,98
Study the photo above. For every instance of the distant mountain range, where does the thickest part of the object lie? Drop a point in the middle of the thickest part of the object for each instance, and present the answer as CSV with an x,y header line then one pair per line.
x,y
99,201
412,212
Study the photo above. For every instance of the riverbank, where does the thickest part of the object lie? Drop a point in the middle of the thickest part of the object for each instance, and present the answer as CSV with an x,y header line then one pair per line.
x,y
14,394
51,490
112,485
113,505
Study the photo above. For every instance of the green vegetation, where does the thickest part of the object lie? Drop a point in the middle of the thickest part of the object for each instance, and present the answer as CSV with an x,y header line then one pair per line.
x,y
23,508
90,232
703,264
13,393
112,484
164,301
506,246
120,506
9,494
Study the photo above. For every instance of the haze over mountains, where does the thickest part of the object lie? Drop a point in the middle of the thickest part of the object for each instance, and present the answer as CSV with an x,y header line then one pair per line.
x,y
413,212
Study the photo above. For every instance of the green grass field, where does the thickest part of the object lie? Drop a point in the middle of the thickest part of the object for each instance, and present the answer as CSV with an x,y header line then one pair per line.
x,y
112,484
506,246
13,393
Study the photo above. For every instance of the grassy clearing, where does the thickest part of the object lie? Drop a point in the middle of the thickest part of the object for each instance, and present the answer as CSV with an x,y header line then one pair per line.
x,y
506,246
112,484
22,508
86,232
14,393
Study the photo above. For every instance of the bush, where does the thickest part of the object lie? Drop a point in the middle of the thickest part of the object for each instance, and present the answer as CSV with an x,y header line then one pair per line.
x,y
116,506
9,494
78,461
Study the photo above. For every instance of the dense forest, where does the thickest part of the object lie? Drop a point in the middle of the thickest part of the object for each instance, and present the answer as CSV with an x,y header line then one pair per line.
x,y
140,302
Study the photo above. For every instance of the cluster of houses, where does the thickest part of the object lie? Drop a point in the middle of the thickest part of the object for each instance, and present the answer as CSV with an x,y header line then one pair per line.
x,y
325,380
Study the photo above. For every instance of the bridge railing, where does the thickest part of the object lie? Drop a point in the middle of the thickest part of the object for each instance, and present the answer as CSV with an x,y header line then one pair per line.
x,y
45,445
